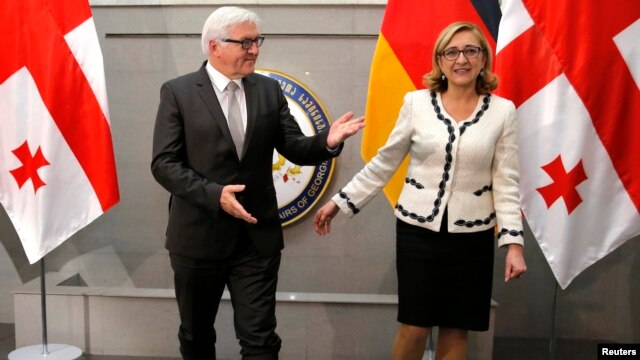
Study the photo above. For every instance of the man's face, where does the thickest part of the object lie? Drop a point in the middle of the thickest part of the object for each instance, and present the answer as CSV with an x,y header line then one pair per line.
x,y
230,58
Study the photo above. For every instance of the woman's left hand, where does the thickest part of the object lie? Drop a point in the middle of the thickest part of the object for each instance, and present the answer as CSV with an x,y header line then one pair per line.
x,y
515,265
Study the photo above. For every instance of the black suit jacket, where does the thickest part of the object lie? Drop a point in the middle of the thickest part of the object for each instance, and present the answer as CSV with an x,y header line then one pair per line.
x,y
194,158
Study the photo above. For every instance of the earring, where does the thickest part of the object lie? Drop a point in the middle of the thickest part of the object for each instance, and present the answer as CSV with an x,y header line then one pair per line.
x,y
443,77
481,73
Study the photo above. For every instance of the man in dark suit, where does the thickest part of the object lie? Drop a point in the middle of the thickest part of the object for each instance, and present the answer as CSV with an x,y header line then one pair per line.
x,y
215,133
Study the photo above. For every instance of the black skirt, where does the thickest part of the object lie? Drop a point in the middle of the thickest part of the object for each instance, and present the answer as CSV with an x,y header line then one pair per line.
x,y
444,279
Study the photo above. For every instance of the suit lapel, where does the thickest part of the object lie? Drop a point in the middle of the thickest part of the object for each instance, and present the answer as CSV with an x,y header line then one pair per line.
x,y
251,97
208,95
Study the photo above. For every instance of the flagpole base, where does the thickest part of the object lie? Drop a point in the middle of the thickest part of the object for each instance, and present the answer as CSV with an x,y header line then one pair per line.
x,y
56,352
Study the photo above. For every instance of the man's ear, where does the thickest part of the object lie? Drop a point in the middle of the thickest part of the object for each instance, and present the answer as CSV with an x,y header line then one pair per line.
x,y
213,47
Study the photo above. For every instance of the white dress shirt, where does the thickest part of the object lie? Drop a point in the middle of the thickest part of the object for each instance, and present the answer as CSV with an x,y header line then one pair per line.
x,y
220,82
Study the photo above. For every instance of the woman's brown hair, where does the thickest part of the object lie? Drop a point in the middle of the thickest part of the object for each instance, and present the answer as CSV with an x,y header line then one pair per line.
x,y
485,83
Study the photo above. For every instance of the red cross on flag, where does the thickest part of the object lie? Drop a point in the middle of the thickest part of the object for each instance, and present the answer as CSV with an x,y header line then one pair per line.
x,y
57,167
573,70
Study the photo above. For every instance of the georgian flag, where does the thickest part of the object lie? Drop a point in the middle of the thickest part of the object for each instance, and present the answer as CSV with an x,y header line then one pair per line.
x,y
57,167
572,69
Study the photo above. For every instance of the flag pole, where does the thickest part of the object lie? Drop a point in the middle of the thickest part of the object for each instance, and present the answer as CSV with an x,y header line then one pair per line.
x,y
429,353
552,340
43,305
58,351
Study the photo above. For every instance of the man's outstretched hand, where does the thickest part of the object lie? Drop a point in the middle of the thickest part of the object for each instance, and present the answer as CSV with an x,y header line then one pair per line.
x,y
343,128
230,204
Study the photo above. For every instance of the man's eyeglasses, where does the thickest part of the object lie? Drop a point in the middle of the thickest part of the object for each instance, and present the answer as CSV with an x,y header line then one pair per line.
x,y
246,43
469,52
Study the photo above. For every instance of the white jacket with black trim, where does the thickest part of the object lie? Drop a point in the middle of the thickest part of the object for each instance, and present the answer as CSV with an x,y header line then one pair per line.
x,y
470,167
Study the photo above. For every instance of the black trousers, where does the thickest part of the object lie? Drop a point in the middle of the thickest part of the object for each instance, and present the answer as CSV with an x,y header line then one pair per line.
x,y
251,279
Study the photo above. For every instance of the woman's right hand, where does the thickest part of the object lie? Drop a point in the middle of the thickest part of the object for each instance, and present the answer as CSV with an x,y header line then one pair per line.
x,y
322,218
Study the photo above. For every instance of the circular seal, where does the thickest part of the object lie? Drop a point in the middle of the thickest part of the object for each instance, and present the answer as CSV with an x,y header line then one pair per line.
x,y
299,188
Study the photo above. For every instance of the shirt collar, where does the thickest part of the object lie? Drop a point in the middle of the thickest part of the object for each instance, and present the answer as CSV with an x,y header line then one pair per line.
x,y
219,80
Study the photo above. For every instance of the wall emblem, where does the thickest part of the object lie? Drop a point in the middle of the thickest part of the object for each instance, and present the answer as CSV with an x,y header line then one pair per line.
x,y
299,188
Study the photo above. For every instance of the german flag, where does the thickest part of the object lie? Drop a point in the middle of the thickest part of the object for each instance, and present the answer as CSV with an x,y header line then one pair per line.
x,y
403,55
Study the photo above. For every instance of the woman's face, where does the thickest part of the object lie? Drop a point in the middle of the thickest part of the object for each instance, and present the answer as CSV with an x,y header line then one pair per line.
x,y
462,71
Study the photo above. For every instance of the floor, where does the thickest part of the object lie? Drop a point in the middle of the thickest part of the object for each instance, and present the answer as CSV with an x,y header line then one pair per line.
x,y
504,349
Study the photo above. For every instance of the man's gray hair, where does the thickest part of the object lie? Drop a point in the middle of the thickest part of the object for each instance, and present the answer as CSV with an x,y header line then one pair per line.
x,y
217,25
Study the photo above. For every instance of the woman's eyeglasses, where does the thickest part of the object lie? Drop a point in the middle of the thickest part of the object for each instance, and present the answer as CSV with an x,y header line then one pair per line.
x,y
469,52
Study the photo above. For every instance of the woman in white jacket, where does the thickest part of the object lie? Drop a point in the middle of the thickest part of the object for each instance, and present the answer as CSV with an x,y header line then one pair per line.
x,y
461,182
